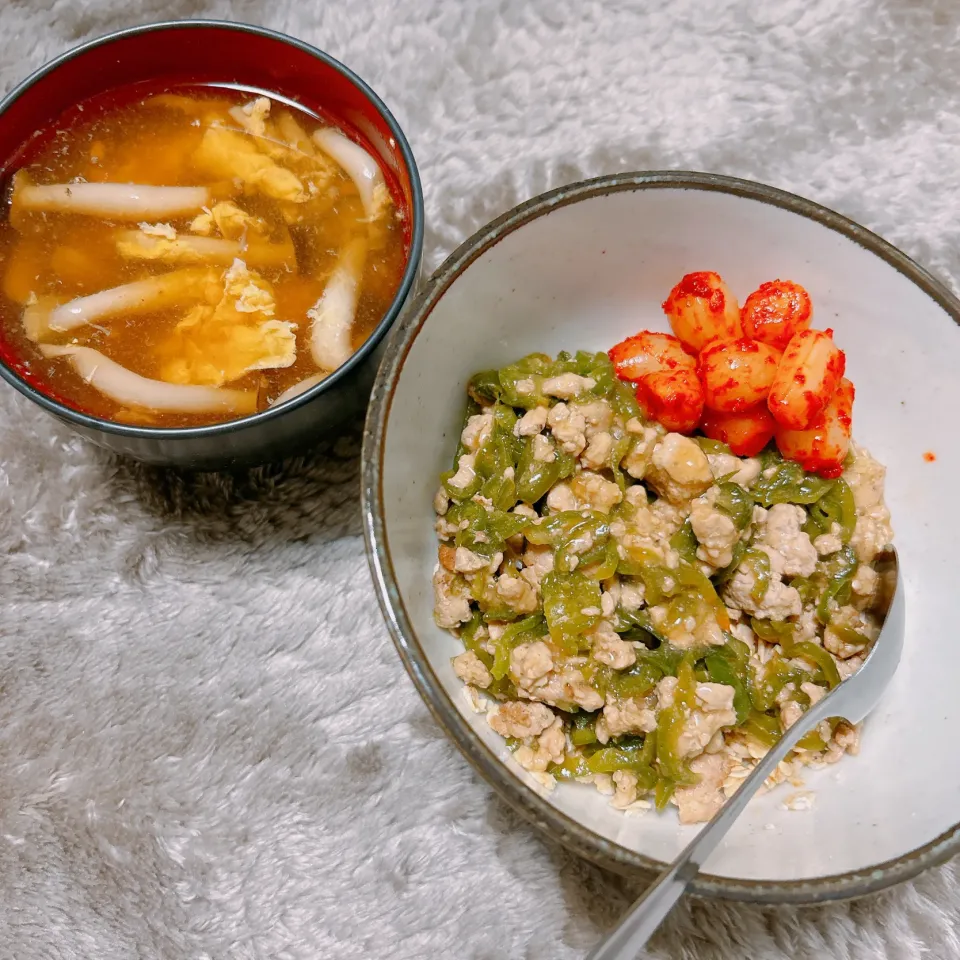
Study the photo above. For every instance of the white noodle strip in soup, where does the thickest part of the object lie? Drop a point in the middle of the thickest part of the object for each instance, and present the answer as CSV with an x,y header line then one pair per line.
x,y
129,388
137,245
359,166
335,311
302,387
113,201
141,296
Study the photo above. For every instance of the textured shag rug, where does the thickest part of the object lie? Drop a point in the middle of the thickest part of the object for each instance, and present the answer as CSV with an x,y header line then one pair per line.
x,y
208,748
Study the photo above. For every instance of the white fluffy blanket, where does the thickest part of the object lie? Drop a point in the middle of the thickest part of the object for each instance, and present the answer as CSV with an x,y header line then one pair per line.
x,y
208,747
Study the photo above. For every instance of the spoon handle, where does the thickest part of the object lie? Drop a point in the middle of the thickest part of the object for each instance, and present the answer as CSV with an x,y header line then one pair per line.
x,y
642,919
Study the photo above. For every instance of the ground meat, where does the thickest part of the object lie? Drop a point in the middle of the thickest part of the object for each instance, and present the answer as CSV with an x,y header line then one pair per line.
x,y
567,685
568,428
679,469
520,720
445,529
548,748
789,548
627,594
595,493
598,415
465,472
626,789
476,431
633,715
846,739
561,498
531,423
713,712
529,662
637,458
847,668
700,802
831,542
470,669
451,602
608,648
466,561
866,478
715,531
567,385
543,449
864,586
692,632
728,467
597,454
649,529
441,502
517,594
538,560
840,648
813,691
790,713
778,603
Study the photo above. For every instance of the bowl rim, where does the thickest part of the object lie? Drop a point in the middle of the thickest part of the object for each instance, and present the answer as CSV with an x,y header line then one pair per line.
x,y
407,282
508,787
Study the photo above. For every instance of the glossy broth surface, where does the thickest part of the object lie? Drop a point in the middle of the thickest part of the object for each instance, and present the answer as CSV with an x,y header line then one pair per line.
x,y
153,138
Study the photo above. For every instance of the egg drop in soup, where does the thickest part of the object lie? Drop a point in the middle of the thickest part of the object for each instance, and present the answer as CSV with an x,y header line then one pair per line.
x,y
191,256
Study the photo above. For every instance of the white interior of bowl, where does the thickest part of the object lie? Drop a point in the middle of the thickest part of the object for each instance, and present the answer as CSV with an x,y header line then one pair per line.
x,y
592,272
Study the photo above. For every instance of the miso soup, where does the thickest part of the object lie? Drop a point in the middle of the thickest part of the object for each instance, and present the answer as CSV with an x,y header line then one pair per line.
x,y
192,255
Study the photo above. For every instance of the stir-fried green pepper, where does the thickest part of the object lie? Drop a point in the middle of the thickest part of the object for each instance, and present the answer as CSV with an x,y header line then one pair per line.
x,y
583,729
473,638
571,605
848,634
612,759
637,680
724,667
536,477
735,502
816,655
604,566
530,372
760,564
762,727
839,570
584,542
623,399
662,583
663,792
709,446
835,506
722,577
484,531
671,723
573,766
772,631
789,484
770,679
622,442
556,528
484,388
685,542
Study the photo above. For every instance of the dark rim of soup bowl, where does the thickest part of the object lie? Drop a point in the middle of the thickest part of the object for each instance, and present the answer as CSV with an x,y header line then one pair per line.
x,y
485,761
330,382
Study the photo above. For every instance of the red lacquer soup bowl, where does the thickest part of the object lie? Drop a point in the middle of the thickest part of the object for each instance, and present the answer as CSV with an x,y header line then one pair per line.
x,y
200,53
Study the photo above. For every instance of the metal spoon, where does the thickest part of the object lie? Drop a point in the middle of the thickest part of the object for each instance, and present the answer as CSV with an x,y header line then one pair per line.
x,y
853,699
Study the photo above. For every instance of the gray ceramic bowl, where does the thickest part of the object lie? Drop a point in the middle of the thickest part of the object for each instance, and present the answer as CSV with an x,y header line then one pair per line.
x,y
198,51
582,267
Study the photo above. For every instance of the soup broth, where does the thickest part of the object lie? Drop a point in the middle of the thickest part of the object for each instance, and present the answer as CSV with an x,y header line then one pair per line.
x,y
192,255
